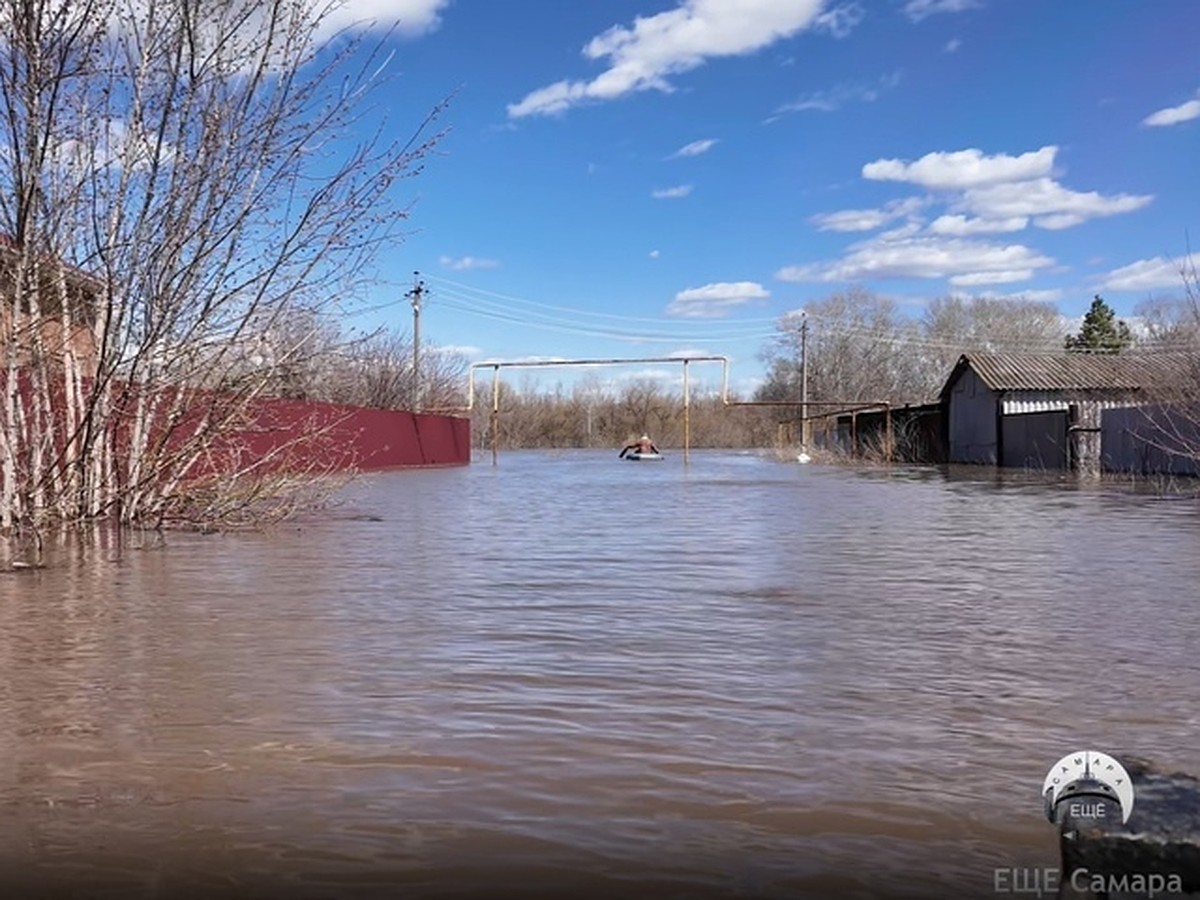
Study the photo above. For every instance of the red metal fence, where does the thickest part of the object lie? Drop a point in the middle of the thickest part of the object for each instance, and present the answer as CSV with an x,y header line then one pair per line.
x,y
271,434
364,438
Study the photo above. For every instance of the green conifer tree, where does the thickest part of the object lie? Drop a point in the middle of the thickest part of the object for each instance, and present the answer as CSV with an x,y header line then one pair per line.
x,y
1101,332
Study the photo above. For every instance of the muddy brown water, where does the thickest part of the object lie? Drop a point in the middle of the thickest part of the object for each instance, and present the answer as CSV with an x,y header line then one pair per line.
x,y
568,675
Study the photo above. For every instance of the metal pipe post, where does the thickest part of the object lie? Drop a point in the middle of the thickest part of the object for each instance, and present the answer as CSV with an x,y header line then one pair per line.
x,y
495,413
687,424
804,382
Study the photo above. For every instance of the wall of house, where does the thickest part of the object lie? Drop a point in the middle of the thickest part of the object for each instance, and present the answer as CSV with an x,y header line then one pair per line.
x,y
971,421
1035,440
56,341
1150,442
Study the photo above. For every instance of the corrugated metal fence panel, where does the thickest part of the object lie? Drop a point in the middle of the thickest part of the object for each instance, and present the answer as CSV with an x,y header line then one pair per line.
x,y
328,436
1151,442
1020,402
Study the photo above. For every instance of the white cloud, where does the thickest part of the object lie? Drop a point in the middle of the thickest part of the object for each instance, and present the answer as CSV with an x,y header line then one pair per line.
x,y
715,300
867,219
1145,275
962,169
1050,295
901,232
642,56
961,226
953,45
1001,193
919,9
1002,276
646,374
851,220
690,353
466,350
837,97
537,359
117,145
903,254
841,20
672,193
411,17
655,254
1173,115
695,148
235,38
1047,203
463,263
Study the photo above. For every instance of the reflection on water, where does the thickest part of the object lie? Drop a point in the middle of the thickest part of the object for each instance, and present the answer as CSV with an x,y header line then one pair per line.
x,y
736,678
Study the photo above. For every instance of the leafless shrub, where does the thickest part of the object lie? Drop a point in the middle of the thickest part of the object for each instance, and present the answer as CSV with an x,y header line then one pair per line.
x,y
1165,437
179,218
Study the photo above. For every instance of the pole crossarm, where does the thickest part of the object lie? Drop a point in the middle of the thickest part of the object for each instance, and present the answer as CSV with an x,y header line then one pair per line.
x,y
497,365
840,406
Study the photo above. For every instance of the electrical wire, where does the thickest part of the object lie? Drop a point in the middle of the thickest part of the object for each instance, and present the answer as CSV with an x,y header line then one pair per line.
x,y
468,290
485,309
479,302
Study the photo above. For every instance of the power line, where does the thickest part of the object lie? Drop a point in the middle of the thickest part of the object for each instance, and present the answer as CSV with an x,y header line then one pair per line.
x,y
483,303
576,312
454,300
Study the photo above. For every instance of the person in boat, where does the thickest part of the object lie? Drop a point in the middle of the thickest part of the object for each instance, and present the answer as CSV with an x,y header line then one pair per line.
x,y
641,445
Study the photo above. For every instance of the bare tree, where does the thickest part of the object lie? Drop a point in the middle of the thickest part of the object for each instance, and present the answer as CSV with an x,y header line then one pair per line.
x,y
374,370
862,347
859,347
1166,434
644,406
1172,322
596,414
955,325
178,179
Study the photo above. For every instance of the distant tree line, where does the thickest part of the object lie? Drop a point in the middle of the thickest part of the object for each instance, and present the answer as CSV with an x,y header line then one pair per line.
x,y
865,347
308,357
861,347
599,414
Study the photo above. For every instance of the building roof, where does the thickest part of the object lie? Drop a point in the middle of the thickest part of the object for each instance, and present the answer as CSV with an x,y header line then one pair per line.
x,y
1075,372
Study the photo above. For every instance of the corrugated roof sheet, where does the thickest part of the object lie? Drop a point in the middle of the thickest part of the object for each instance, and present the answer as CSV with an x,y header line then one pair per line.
x,y
1076,371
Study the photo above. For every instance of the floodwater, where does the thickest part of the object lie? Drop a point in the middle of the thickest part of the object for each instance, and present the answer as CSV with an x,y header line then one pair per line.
x,y
571,676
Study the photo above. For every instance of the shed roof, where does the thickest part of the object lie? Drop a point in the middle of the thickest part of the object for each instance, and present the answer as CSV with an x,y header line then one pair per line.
x,y
1075,372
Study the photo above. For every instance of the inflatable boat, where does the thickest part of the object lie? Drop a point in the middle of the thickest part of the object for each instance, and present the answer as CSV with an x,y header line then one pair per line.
x,y
637,456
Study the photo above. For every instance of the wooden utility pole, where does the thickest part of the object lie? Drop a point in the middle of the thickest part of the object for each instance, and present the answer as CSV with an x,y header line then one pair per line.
x,y
418,289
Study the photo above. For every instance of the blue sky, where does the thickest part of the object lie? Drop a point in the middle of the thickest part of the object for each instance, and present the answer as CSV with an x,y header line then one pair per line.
x,y
651,177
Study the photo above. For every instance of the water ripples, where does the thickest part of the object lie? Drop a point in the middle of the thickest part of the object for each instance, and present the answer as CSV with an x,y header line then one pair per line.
x,y
739,677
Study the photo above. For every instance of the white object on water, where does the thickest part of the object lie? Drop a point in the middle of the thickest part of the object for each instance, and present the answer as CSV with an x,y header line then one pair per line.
x,y
635,456
803,458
